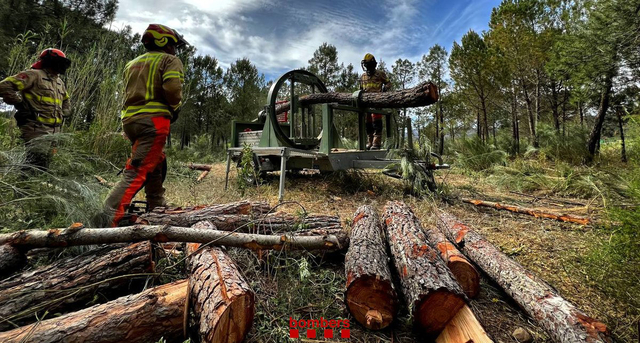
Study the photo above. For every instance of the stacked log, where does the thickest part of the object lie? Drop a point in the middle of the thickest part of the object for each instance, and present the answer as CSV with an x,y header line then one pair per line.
x,y
465,273
187,216
432,295
144,317
560,318
70,282
221,300
11,260
370,295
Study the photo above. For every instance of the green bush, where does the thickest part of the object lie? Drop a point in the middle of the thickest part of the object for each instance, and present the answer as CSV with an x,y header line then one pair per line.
x,y
477,156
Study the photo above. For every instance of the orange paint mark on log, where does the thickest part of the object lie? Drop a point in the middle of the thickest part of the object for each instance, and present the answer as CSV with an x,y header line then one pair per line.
x,y
461,231
358,217
593,327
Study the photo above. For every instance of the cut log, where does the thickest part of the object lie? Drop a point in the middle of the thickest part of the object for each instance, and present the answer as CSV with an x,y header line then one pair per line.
x,y
11,260
221,300
465,273
464,328
188,216
370,295
145,317
531,211
560,318
430,291
196,166
71,282
315,239
423,94
202,175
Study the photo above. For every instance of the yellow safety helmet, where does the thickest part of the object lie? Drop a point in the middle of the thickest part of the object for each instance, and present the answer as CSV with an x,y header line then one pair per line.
x,y
369,64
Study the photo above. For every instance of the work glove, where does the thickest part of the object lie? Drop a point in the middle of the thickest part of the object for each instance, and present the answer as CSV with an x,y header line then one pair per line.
x,y
174,115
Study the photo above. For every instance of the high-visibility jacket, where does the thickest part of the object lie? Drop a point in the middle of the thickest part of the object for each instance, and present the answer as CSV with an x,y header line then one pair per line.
x,y
153,86
373,84
45,95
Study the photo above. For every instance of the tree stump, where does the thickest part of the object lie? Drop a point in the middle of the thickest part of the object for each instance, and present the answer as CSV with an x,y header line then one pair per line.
x,y
220,298
560,318
430,290
370,296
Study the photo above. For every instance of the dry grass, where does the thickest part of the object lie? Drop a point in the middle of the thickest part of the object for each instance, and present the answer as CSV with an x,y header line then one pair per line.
x,y
550,249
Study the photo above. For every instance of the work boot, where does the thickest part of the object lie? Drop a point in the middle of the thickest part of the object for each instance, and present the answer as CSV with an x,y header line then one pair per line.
x,y
370,142
377,142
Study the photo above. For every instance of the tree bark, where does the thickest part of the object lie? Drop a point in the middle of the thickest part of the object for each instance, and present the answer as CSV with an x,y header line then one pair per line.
x,y
423,94
71,282
188,216
313,239
530,211
465,273
593,144
430,291
561,319
221,300
624,149
370,295
464,327
11,260
145,317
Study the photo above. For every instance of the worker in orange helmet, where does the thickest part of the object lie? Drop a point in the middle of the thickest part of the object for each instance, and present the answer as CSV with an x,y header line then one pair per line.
x,y
152,101
42,102
373,81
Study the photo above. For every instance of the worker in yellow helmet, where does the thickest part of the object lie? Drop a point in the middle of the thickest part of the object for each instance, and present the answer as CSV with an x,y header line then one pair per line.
x,y
41,100
374,81
152,101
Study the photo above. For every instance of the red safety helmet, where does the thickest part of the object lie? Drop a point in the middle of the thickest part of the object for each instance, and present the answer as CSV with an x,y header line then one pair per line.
x,y
159,36
54,59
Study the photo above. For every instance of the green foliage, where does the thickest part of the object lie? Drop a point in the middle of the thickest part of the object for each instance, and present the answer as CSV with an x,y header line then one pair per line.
x,y
555,146
247,172
474,155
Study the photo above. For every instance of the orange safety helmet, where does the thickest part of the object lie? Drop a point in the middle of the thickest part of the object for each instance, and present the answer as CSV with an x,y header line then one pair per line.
x,y
160,36
54,59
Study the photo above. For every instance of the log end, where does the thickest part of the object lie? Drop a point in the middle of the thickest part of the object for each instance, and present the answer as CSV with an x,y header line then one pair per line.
x,y
372,302
434,311
466,275
235,322
11,260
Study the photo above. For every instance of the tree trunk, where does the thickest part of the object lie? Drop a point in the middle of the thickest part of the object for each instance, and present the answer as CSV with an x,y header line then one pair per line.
x,y
144,317
370,295
72,282
593,144
441,145
465,273
11,260
530,211
479,125
431,293
221,300
554,107
464,328
313,239
190,215
514,122
485,122
409,134
421,95
532,118
621,125
561,319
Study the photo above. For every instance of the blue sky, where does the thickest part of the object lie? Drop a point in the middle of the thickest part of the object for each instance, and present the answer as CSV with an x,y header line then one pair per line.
x,y
279,35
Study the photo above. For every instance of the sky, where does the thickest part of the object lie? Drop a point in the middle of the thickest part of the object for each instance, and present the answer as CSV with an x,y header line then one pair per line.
x,y
280,35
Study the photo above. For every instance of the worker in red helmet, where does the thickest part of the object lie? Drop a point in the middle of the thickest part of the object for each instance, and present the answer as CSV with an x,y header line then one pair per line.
x,y
373,81
42,102
152,101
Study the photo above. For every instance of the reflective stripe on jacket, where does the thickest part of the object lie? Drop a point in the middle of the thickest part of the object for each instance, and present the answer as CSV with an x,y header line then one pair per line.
x,y
44,94
153,84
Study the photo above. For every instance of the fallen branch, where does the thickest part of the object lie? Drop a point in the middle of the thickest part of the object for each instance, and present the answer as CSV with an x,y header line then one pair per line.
x,y
70,282
560,318
318,239
141,318
202,175
423,94
530,211
195,166
104,182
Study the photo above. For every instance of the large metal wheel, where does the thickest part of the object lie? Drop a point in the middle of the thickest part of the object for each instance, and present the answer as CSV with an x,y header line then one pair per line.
x,y
294,76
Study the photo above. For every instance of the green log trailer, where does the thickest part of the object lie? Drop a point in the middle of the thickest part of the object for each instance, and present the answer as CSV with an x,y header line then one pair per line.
x,y
299,143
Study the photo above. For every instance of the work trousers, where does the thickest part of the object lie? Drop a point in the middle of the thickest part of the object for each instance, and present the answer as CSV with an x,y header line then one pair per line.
x,y
374,124
145,168
39,151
